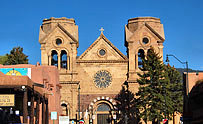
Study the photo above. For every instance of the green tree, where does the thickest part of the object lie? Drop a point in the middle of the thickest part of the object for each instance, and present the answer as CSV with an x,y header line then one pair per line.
x,y
16,56
3,59
126,107
153,100
176,89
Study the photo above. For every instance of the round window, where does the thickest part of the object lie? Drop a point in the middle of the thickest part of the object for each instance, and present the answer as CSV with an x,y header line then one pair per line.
x,y
102,52
102,79
58,41
145,40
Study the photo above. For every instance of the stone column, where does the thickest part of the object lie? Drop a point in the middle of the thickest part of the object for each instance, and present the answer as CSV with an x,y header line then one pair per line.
x,y
74,55
49,59
25,112
132,64
74,102
161,50
59,60
136,61
68,62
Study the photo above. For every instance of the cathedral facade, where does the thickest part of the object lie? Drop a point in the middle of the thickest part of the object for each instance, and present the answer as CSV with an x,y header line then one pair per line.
x,y
92,80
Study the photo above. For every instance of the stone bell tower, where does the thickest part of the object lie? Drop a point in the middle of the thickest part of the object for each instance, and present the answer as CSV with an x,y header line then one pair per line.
x,y
59,41
141,34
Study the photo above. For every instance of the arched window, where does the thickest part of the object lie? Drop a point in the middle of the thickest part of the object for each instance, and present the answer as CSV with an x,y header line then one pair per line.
x,y
103,107
64,109
63,59
54,58
140,57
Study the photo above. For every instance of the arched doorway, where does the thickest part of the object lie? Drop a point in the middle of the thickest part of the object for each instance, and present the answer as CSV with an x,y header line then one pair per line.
x,y
64,109
103,113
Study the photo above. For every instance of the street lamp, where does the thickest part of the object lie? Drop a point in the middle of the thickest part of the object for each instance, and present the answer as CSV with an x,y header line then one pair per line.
x,y
79,102
187,87
186,63
127,111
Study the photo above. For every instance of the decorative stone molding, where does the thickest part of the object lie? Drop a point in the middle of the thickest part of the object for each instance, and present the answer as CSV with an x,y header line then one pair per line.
x,y
102,61
103,98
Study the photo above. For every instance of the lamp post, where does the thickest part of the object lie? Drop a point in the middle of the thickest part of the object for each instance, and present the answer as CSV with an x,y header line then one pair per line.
x,y
186,63
187,87
127,110
79,102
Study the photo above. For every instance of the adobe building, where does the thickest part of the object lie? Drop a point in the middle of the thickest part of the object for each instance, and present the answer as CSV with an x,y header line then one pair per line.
x,y
193,78
194,114
33,92
91,81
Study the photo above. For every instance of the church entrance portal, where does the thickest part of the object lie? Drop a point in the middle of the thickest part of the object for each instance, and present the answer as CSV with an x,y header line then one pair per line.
x,y
103,114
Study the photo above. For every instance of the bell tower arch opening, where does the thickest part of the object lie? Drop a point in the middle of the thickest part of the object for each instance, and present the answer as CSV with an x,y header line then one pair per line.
x,y
64,61
140,58
54,58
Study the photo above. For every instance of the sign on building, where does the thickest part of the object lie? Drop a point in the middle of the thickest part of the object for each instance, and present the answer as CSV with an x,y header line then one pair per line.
x,y
17,71
64,120
7,100
53,115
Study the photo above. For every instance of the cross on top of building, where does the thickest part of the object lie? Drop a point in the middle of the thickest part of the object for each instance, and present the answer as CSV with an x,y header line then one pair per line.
x,y
102,30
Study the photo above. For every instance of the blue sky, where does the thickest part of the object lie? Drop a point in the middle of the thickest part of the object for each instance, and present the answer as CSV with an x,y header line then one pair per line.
x,y
183,22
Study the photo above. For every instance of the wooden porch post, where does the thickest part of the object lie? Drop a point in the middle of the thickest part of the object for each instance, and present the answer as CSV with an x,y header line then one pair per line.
x,y
47,112
32,107
37,111
43,111
25,111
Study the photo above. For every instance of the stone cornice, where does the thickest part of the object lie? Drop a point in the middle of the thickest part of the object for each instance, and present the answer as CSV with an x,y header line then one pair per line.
x,y
68,73
132,81
69,82
102,61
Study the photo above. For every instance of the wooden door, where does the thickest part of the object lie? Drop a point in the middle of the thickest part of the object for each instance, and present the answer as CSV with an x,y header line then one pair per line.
x,y
103,119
